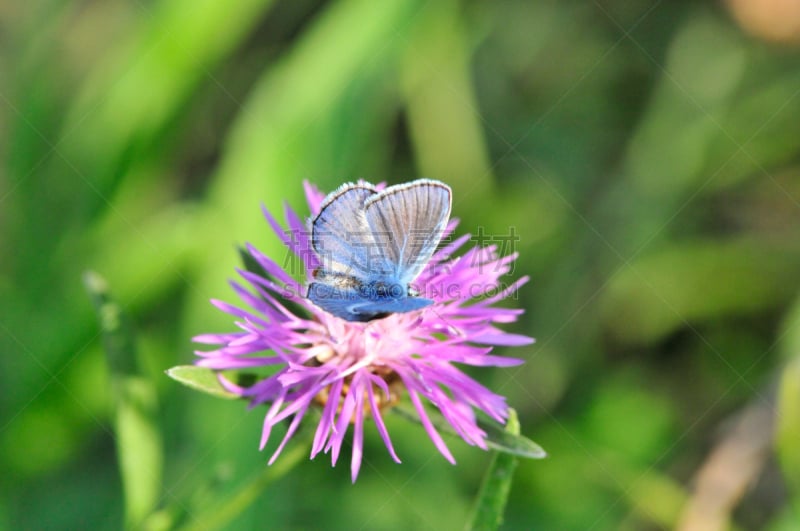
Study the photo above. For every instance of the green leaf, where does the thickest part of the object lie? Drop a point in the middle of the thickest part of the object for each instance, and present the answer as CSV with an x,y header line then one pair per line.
x,y
686,104
139,447
150,74
689,282
498,438
510,441
201,379
441,106
787,431
251,264
491,501
137,433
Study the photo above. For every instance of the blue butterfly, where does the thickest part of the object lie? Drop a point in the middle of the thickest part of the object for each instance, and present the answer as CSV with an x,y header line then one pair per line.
x,y
372,244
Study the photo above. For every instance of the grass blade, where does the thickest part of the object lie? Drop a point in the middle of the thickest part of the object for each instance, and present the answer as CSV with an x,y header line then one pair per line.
x,y
137,433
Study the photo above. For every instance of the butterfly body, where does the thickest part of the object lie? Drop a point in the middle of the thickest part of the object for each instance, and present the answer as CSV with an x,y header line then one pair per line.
x,y
373,244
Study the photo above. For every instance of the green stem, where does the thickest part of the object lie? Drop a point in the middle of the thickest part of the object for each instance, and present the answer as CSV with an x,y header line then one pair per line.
x,y
493,495
220,514
136,430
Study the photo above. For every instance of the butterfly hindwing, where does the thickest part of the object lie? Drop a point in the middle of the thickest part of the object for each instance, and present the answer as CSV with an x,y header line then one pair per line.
x,y
350,303
407,222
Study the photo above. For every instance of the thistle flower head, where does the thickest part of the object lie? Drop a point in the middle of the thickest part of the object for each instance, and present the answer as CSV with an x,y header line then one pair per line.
x,y
355,371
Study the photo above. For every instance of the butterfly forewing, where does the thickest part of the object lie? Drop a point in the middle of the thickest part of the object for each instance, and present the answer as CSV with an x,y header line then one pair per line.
x,y
407,222
340,234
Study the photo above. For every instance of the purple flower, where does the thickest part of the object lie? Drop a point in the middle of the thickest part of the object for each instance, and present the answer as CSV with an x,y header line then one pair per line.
x,y
355,370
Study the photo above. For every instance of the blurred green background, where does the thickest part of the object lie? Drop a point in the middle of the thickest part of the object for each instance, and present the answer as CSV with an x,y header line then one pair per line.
x,y
647,154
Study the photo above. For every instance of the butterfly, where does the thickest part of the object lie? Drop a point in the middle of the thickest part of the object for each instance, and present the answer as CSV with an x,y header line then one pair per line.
x,y
372,244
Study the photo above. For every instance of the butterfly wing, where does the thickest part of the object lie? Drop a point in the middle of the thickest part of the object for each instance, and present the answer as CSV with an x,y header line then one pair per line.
x,y
346,300
402,305
336,299
340,234
407,222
